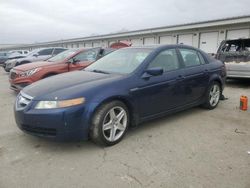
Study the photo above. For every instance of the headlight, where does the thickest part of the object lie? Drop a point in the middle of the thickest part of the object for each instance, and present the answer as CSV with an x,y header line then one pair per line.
x,y
59,104
29,72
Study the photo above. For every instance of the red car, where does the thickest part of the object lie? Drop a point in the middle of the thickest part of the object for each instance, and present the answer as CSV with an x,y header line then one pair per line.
x,y
69,60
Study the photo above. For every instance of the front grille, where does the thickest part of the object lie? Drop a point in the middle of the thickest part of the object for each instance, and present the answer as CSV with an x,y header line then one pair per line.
x,y
13,75
39,130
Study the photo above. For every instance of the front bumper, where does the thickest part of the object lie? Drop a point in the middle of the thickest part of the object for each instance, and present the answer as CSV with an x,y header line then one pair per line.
x,y
57,124
18,87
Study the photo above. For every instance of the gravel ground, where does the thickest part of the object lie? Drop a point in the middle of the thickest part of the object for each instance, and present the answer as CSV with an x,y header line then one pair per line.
x,y
194,148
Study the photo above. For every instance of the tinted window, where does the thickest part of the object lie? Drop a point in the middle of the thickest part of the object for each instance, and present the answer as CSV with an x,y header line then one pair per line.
x,y
89,55
202,60
190,57
58,50
167,60
45,52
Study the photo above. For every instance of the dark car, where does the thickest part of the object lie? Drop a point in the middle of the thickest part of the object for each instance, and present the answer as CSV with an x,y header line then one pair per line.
x,y
236,56
124,88
34,56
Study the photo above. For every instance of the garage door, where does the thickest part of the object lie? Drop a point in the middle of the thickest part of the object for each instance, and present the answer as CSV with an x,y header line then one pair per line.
x,y
89,44
240,33
81,45
185,39
111,42
136,42
149,40
166,40
96,44
209,42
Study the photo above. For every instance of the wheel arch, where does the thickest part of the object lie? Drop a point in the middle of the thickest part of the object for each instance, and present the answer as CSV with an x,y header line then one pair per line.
x,y
216,78
127,102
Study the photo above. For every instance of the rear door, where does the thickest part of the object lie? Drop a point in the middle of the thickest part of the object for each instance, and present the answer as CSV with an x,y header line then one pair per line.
x,y
196,74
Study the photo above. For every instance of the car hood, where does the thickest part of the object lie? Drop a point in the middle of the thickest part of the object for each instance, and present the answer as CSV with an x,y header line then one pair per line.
x,y
33,65
67,85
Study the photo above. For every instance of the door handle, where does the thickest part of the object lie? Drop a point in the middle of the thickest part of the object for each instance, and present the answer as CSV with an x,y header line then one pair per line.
x,y
205,71
180,77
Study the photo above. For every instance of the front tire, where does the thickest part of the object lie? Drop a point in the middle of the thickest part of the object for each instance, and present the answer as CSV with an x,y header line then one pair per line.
x,y
110,123
213,96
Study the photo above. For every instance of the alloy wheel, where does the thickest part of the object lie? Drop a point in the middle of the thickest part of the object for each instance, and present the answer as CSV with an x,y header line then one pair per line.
x,y
115,123
214,95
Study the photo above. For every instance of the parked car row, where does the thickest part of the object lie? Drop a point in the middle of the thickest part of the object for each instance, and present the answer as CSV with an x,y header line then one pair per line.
x,y
14,54
113,90
69,60
36,55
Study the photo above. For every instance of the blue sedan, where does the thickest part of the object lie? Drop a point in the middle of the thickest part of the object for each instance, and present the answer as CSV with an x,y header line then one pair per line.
x,y
122,89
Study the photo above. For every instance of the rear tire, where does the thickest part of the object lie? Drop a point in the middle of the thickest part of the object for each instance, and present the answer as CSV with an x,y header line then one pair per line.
x,y
109,124
213,96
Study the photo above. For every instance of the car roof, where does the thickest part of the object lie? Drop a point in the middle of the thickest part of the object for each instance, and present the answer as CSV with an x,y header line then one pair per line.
x,y
156,46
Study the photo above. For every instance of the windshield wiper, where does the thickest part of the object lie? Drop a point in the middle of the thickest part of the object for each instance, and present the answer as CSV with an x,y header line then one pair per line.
x,y
100,71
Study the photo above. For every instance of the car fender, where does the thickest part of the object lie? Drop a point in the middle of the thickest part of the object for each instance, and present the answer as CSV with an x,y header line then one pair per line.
x,y
217,78
126,99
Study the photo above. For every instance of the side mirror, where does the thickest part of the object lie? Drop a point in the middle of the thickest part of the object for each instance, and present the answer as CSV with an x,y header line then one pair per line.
x,y
35,55
155,71
74,61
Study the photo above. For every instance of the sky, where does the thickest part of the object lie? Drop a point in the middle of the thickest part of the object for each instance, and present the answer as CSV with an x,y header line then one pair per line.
x,y
30,21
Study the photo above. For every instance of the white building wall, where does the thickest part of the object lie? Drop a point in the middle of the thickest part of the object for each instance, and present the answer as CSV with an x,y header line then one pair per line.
x,y
206,36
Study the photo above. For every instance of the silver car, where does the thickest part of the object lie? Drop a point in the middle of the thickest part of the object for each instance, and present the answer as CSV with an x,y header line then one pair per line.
x,y
35,55
236,56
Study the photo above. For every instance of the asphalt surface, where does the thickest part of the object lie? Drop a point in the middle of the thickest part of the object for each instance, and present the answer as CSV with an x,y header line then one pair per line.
x,y
194,148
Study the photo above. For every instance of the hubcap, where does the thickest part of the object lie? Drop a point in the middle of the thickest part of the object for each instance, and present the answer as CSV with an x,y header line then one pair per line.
x,y
114,124
214,95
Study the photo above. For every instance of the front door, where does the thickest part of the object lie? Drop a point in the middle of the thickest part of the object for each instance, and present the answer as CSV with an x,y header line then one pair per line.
x,y
158,94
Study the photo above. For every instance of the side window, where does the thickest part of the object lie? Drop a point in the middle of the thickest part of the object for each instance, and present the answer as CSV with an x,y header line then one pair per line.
x,y
190,57
202,60
89,55
58,50
167,60
46,52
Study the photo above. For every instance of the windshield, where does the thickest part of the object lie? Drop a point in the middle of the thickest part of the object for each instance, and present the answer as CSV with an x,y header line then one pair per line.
x,y
62,56
122,61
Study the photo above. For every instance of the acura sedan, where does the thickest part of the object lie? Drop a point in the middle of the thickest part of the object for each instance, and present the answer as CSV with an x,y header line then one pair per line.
x,y
123,89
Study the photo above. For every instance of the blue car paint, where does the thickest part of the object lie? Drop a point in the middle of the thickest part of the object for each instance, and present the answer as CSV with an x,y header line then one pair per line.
x,y
146,98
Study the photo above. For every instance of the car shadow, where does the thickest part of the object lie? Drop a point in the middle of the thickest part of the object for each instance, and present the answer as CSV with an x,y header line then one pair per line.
x,y
163,121
238,83
84,146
